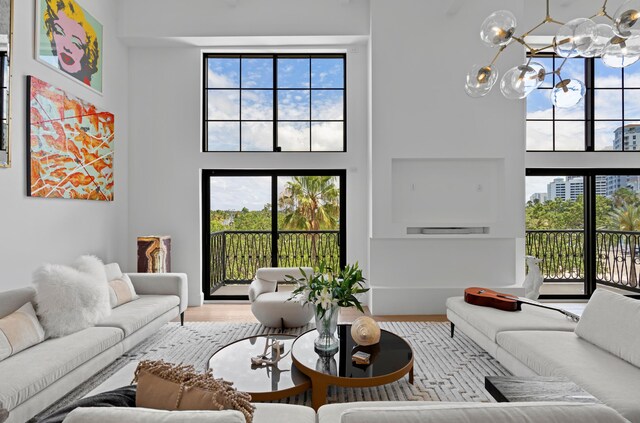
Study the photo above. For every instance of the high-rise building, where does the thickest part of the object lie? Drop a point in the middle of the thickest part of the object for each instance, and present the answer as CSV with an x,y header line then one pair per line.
x,y
630,137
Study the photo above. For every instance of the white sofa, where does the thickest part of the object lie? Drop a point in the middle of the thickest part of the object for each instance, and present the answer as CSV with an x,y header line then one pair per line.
x,y
601,353
35,378
367,412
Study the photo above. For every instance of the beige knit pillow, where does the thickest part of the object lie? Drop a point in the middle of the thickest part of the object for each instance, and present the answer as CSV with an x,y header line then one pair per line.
x,y
121,291
19,330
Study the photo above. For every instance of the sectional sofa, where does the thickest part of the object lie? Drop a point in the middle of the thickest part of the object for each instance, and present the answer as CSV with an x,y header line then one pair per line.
x,y
35,378
601,353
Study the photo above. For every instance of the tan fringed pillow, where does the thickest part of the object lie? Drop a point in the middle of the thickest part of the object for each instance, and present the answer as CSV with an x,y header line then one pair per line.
x,y
166,386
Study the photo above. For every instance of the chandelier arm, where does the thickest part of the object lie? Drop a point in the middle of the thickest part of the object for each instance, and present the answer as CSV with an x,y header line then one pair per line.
x,y
533,29
561,65
524,43
497,55
535,51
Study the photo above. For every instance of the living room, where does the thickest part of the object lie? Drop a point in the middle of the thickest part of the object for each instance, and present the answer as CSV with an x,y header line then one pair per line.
x,y
419,160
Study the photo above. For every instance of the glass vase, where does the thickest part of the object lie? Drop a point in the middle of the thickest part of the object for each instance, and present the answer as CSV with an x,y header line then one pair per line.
x,y
326,325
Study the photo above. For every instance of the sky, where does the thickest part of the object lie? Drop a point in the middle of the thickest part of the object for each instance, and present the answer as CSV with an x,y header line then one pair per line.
x,y
608,105
293,103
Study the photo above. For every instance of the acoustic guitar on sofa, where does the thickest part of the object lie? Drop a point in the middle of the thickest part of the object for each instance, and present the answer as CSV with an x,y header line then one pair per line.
x,y
488,298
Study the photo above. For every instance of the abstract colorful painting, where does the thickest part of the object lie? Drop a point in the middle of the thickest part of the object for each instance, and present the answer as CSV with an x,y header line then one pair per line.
x,y
69,39
71,146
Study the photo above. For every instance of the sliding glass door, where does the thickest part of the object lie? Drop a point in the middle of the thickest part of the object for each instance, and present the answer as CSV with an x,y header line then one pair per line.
x,y
269,218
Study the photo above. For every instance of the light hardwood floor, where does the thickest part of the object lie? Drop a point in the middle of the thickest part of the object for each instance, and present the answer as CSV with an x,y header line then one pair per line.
x,y
241,312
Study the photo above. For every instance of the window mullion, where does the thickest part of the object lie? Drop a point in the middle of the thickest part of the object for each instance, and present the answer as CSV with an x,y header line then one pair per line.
x,y
589,104
275,103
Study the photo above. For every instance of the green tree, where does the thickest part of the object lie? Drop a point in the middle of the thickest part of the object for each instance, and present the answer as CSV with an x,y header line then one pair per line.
x,y
625,196
310,203
628,218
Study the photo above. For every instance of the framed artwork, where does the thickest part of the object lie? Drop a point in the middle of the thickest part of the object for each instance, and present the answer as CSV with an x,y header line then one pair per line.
x,y
69,39
70,146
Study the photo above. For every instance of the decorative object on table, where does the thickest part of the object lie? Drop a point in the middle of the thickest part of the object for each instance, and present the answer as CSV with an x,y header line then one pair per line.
x,y
361,357
71,146
154,254
71,298
277,353
327,364
489,298
534,279
69,40
365,331
328,291
167,386
616,39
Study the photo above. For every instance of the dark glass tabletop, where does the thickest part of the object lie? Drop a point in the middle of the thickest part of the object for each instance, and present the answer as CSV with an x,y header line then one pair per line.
x,y
388,356
233,363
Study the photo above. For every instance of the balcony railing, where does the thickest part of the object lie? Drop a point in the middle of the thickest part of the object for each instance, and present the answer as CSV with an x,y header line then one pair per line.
x,y
562,251
236,255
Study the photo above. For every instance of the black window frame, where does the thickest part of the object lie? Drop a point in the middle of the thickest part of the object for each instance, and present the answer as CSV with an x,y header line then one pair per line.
x,y
4,115
275,90
206,174
589,107
589,227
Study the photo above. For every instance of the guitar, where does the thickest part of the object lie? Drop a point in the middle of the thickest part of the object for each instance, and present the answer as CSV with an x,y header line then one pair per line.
x,y
489,298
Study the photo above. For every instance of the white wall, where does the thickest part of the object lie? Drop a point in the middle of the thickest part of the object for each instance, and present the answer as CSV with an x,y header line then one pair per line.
x,y
165,112
37,230
420,55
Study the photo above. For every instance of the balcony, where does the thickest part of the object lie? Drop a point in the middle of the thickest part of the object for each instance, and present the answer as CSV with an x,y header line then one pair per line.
x,y
236,255
617,256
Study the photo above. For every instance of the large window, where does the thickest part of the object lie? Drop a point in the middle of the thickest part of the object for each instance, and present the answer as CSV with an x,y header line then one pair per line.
x,y
584,225
274,102
269,218
607,119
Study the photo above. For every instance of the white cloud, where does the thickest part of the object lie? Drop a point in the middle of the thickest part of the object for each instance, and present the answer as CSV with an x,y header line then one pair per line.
x,y
234,193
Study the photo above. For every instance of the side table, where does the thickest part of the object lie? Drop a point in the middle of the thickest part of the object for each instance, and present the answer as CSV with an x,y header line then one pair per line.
x,y
535,388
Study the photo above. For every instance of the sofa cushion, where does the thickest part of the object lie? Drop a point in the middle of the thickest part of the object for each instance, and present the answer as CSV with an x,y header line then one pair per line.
x,y
19,330
549,412
610,379
610,321
490,321
331,413
12,300
283,413
121,291
147,415
135,314
27,373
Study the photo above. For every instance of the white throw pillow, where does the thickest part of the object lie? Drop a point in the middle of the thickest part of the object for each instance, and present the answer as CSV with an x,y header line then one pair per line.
x,y
70,299
121,291
610,321
19,331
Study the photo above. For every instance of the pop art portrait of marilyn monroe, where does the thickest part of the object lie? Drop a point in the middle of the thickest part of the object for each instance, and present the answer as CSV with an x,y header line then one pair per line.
x,y
70,39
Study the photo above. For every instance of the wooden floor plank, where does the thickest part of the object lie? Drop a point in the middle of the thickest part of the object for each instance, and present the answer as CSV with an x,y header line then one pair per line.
x,y
241,312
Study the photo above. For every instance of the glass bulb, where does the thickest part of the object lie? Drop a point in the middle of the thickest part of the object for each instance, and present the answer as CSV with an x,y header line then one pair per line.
x,y
519,81
626,20
480,80
620,52
567,93
603,34
574,37
498,28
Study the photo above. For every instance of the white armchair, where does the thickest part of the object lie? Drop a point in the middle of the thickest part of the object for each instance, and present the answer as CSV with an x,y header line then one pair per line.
x,y
270,307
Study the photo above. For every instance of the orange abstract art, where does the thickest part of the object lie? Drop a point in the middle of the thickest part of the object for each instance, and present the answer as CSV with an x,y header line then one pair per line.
x,y
71,146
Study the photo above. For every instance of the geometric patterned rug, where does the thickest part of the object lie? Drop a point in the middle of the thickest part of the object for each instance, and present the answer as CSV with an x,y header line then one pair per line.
x,y
445,368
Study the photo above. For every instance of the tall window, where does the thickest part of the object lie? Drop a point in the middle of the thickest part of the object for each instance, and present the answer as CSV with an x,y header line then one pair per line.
x,y
607,119
274,102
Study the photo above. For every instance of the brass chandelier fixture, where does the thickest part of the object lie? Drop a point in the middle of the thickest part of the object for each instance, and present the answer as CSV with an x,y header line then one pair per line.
x,y
617,42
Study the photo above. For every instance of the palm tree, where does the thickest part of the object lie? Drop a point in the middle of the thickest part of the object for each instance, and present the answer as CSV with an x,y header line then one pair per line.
x,y
628,218
310,203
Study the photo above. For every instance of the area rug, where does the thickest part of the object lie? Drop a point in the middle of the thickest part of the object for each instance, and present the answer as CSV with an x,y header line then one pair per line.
x,y
445,368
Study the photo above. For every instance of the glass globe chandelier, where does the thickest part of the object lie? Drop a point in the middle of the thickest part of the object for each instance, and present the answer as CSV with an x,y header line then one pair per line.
x,y
617,42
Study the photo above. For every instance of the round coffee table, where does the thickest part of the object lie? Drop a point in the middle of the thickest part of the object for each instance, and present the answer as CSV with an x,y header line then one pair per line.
x,y
264,383
391,359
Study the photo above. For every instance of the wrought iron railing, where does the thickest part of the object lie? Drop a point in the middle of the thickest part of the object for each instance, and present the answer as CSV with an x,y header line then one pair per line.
x,y
562,251
235,256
